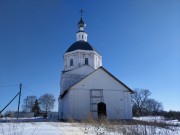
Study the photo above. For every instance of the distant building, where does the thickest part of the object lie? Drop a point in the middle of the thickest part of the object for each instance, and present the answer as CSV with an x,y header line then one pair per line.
x,y
87,88
52,115
23,114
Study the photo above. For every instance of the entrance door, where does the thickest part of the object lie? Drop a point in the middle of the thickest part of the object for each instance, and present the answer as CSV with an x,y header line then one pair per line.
x,y
101,110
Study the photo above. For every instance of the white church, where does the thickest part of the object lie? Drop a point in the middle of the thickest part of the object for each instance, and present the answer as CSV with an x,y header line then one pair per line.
x,y
87,88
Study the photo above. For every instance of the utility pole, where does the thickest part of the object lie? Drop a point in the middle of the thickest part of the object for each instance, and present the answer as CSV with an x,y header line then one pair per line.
x,y
20,87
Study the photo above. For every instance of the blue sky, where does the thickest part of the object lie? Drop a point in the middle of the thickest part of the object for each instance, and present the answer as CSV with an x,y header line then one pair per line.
x,y
138,39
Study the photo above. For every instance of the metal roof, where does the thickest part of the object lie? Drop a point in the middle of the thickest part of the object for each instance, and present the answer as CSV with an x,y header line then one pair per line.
x,y
80,45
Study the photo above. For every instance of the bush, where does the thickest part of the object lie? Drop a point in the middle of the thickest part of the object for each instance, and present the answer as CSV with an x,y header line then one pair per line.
x,y
45,115
9,114
123,127
172,115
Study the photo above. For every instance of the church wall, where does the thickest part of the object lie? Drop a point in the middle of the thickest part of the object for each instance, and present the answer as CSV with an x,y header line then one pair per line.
x,y
68,80
117,104
60,108
84,70
114,104
78,103
128,102
100,79
71,77
78,56
116,97
63,107
75,105
81,36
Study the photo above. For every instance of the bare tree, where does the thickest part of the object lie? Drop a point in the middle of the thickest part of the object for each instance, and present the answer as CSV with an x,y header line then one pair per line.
x,y
28,103
47,101
153,107
139,98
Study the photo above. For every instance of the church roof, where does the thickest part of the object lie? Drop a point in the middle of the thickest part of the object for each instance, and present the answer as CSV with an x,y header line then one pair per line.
x,y
131,91
80,45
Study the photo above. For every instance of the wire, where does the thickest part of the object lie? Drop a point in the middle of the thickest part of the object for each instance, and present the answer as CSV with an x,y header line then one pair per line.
x,y
32,90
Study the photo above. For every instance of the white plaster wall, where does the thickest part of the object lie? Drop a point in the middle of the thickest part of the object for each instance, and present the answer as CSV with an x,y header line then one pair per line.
x,y
79,104
75,105
78,56
68,80
81,36
63,105
100,80
117,105
116,97
71,77
84,70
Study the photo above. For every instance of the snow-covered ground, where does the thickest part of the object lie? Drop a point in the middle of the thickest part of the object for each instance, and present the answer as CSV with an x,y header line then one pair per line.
x,y
150,118
157,119
66,128
173,130
40,128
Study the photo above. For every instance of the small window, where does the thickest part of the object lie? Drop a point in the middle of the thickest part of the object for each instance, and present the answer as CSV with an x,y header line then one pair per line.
x,y
82,37
86,61
71,62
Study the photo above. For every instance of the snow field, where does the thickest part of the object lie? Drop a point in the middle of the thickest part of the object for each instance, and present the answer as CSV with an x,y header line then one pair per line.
x,y
91,128
40,128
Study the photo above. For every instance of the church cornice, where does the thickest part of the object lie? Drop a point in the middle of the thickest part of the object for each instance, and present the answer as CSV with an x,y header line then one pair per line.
x,y
82,51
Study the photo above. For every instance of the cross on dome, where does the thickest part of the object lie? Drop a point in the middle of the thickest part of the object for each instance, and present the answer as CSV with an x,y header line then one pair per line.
x,y
81,23
81,34
81,11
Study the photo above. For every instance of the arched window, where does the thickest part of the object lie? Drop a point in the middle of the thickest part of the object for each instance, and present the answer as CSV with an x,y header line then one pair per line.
x,y
86,61
71,62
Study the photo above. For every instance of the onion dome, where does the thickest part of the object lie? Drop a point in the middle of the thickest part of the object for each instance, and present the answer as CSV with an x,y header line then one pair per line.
x,y
81,23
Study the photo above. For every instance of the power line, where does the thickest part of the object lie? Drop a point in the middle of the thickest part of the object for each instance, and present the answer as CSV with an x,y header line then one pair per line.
x,y
26,88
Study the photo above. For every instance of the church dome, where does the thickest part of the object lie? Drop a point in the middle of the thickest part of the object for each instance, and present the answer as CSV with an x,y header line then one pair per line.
x,y
80,45
81,23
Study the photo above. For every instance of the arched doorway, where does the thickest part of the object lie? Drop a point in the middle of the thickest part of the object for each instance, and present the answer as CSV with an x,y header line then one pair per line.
x,y
101,110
